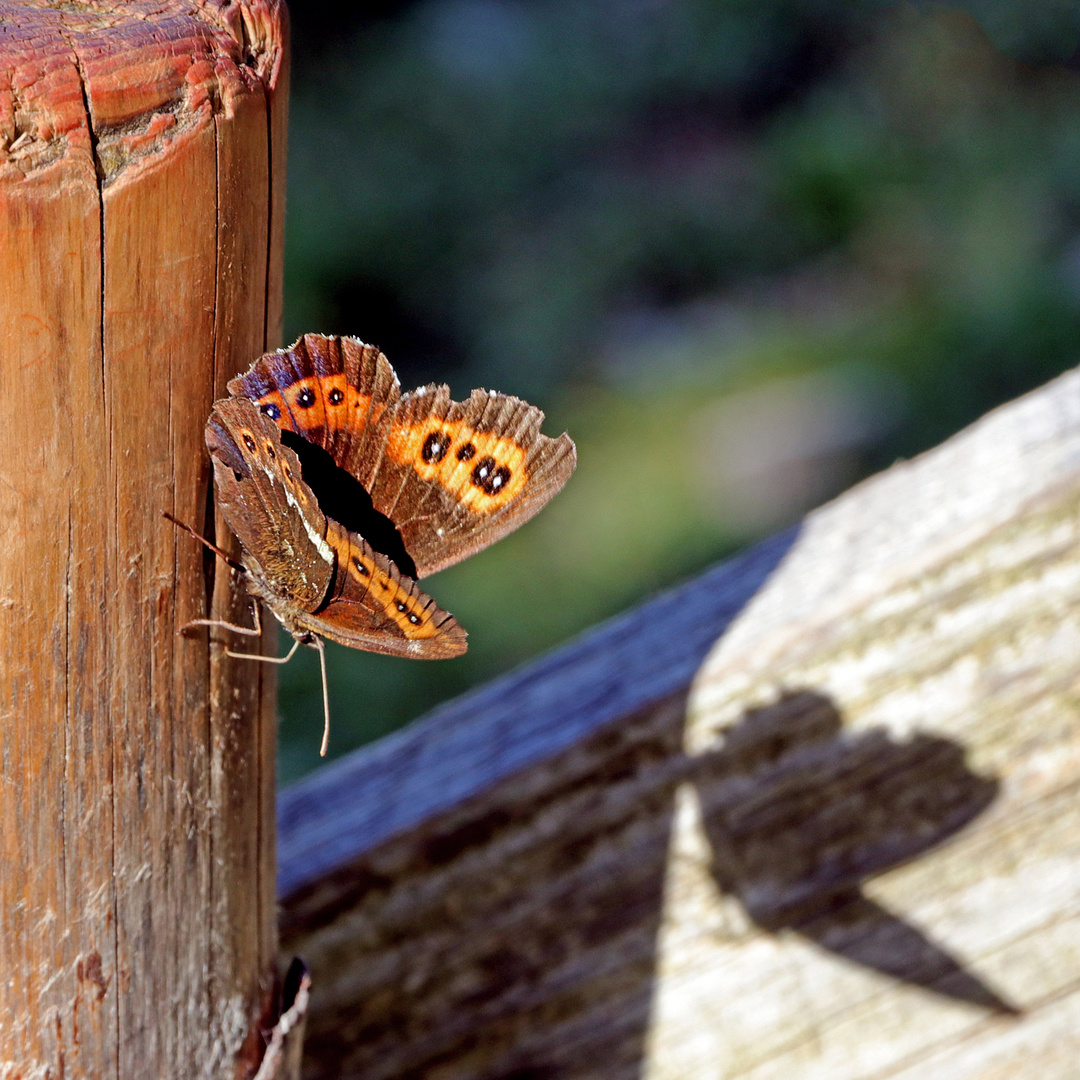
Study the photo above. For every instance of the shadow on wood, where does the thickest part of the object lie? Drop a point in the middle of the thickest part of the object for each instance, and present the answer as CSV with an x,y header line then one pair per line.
x,y
799,814
512,896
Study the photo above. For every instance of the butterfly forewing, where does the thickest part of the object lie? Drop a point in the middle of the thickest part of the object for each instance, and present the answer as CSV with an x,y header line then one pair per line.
x,y
374,606
260,492
452,476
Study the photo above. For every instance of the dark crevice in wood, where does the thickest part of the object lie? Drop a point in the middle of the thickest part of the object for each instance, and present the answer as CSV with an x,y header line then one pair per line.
x,y
99,177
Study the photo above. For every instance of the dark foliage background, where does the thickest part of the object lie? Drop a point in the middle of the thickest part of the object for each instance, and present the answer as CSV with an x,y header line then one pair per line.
x,y
745,252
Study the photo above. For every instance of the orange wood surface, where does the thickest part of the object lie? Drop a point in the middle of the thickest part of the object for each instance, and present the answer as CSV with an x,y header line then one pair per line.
x,y
141,185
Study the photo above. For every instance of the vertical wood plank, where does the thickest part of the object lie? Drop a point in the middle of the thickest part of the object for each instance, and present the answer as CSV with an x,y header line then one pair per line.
x,y
244,926
161,218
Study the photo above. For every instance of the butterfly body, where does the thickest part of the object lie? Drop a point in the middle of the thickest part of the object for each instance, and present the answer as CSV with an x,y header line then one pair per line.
x,y
451,478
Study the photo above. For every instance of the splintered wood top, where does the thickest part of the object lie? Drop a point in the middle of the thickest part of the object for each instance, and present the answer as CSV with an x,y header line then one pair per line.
x,y
145,70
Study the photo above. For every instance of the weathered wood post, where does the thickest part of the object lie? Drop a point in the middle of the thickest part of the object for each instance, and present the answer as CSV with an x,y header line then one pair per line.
x,y
141,208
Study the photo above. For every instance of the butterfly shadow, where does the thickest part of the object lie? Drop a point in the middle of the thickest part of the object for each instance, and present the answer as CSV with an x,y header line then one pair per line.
x,y
800,813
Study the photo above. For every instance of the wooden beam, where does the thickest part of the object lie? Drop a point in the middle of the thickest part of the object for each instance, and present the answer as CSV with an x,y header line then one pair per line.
x,y
813,814
137,181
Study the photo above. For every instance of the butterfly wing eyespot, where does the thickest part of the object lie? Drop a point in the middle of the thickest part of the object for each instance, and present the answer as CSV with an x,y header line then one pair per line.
x,y
451,476
481,470
435,447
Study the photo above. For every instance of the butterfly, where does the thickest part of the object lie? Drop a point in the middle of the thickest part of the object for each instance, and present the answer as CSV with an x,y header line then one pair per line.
x,y
416,482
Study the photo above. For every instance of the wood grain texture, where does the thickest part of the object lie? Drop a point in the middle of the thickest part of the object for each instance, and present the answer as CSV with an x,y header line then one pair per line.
x,y
813,814
136,803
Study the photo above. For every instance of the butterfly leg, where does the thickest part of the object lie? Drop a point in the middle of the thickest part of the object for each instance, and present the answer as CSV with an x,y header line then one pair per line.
x,y
247,631
315,643
265,659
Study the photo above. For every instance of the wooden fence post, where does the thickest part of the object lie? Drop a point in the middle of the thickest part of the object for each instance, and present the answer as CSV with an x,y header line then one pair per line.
x,y
141,208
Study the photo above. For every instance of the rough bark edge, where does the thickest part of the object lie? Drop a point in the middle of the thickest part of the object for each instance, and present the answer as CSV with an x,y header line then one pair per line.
x,y
242,43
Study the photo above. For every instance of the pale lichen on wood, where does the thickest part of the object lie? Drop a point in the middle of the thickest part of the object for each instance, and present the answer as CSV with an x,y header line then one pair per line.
x,y
812,815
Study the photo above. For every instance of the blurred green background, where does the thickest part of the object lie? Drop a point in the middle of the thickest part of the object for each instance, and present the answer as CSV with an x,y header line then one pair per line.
x,y
745,252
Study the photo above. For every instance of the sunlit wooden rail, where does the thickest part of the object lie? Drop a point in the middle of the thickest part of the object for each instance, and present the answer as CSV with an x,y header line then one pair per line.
x,y
815,814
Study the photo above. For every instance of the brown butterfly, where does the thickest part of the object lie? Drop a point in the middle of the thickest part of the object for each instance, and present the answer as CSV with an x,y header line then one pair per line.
x,y
426,479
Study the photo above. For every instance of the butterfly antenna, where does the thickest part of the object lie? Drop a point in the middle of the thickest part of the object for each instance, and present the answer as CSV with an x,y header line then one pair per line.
x,y
219,552
325,697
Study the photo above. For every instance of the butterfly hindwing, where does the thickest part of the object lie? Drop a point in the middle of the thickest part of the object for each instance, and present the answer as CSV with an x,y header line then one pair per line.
x,y
452,476
460,475
374,606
